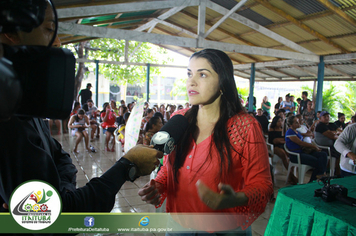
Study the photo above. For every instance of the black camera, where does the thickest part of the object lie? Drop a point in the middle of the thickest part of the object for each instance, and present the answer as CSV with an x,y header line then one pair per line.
x,y
331,192
35,81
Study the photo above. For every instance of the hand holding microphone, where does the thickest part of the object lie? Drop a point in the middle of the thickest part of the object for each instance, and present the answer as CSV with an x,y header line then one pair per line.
x,y
169,135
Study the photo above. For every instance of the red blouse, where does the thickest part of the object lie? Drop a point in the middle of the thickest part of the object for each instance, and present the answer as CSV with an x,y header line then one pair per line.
x,y
110,120
250,173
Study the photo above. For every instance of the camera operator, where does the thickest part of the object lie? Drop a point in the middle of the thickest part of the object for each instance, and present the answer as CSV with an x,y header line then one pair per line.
x,y
27,151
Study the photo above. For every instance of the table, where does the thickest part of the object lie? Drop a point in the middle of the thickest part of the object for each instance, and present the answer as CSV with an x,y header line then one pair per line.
x,y
298,212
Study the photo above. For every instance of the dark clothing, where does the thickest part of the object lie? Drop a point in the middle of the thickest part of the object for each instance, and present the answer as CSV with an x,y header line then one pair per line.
x,y
85,94
322,140
318,160
264,122
303,105
322,127
346,174
338,124
276,107
120,120
27,151
275,134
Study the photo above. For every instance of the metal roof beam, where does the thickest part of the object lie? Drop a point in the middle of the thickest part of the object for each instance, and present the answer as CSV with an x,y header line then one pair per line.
x,y
340,57
201,20
164,16
270,64
104,32
337,11
301,25
338,71
282,72
123,7
259,28
232,11
304,70
177,28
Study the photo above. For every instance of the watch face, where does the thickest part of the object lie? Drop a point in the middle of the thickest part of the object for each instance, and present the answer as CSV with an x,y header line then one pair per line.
x,y
132,173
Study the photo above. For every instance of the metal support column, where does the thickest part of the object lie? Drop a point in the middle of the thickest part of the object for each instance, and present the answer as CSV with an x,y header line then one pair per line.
x,y
252,86
148,83
319,92
97,82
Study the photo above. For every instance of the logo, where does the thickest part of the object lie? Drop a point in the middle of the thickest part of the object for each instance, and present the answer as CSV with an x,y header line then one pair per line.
x,y
144,221
35,205
89,221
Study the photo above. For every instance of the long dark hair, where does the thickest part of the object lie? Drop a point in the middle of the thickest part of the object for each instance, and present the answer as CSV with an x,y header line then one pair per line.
x,y
230,105
275,121
105,105
151,122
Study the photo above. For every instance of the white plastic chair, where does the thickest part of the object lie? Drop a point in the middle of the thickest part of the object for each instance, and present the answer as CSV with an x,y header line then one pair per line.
x,y
273,158
331,159
119,150
302,169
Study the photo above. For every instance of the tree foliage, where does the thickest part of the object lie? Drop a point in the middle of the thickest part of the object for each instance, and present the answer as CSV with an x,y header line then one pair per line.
x,y
114,50
348,101
180,88
338,99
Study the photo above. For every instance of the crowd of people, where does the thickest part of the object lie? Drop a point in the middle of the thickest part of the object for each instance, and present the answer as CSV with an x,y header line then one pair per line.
x,y
112,118
297,127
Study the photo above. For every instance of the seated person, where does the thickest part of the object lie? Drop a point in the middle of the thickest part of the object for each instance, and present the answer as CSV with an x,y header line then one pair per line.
x,y
108,117
309,114
78,123
122,112
340,123
76,107
92,113
310,154
282,113
303,130
325,135
263,120
160,115
287,105
316,121
121,129
346,145
276,138
152,127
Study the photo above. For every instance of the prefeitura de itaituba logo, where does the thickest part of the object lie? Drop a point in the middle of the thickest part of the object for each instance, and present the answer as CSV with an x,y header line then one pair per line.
x,y
35,205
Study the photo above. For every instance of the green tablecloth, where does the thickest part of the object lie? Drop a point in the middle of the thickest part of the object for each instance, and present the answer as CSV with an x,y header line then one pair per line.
x,y
298,212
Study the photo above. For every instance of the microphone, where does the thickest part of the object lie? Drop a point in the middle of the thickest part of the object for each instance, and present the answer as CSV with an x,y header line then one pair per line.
x,y
169,135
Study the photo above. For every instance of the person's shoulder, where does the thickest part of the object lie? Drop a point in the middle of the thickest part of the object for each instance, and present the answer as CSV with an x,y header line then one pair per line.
x,y
242,118
180,112
290,132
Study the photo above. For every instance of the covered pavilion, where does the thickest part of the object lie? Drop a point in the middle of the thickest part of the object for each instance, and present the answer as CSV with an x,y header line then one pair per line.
x,y
267,40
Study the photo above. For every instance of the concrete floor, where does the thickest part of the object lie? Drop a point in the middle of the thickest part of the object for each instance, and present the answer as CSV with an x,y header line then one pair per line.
x,y
91,165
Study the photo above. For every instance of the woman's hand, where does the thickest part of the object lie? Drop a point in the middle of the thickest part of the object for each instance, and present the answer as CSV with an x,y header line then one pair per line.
x,y
149,193
317,149
227,197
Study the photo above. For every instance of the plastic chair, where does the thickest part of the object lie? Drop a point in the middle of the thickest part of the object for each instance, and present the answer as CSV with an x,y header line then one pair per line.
x,y
331,159
273,158
302,169
120,151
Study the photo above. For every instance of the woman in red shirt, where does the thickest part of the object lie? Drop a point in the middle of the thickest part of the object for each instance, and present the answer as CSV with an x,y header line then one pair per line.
x,y
221,164
108,117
